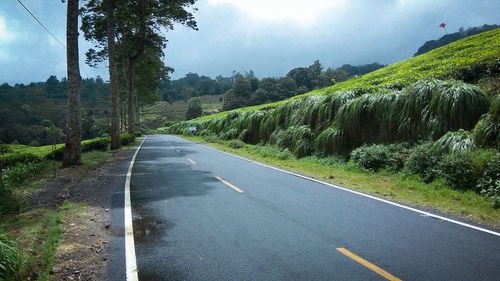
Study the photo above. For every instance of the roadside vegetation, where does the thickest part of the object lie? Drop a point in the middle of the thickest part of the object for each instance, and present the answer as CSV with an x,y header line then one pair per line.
x,y
30,236
429,125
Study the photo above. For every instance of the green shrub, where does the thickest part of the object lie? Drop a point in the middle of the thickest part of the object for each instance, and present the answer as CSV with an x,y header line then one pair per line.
x,y
5,148
489,183
236,144
127,139
423,161
138,134
13,159
10,262
56,155
458,172
101,144
213,139
371,157
17,174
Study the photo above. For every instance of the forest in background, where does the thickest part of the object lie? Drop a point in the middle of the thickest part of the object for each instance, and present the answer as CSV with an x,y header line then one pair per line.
x,y
27,110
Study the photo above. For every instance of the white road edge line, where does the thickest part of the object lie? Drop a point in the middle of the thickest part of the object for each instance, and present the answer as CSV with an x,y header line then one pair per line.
x,y
130,260
362,194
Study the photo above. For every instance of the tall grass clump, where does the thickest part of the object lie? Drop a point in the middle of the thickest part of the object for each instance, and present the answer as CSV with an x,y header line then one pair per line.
x,y
487,130
455,142
367,119
11,265
329,142
299,140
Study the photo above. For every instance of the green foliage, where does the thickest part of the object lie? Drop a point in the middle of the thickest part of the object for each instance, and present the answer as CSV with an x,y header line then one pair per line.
x,y
11,265
328,142
487,130
127,139
371,157
299,140
5,148
194,108
10,160
236,144
101,144
423,161
455,142
489,184
15,175
458,172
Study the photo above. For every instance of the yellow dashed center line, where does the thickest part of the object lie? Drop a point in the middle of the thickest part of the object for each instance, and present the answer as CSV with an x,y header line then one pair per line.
x,y
192,162
230,185
368,264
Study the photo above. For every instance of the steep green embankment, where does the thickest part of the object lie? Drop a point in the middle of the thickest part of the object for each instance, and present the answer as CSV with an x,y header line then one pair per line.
x,y
401,102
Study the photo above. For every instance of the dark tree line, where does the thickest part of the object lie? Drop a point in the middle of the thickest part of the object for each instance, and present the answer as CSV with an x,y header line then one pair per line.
x,y
193,85
249,90
26,110
452,37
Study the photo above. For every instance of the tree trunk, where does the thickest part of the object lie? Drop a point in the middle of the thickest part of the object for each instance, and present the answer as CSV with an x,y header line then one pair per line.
x,y
72,154
131,99
113,77
137,117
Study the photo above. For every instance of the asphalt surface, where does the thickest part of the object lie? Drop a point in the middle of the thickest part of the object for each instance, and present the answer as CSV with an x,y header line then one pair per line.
x,y
189,225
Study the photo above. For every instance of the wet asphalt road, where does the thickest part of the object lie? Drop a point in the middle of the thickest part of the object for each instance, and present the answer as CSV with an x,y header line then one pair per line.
x,y
188,225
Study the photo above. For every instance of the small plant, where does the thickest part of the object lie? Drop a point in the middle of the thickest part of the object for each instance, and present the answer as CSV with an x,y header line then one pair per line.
x,y
54,133
236,144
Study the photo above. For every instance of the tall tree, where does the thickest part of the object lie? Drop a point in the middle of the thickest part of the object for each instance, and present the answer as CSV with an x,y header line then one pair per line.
x,y
138,26
72,154
113,76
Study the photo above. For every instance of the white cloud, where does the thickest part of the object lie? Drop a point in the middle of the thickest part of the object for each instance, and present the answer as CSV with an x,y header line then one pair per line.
x,y
5,35
280,10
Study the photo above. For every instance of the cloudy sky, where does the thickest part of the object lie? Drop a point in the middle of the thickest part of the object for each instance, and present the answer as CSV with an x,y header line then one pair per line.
x,y
269,37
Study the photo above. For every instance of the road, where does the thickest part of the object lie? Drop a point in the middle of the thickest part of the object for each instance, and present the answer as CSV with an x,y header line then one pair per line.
x,y
200,214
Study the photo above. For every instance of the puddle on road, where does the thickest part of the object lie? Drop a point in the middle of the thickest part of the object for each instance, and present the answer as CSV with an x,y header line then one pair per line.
x,y
148,227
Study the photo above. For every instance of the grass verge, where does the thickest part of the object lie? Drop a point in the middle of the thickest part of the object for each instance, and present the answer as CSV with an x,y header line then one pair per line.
x,y
435,196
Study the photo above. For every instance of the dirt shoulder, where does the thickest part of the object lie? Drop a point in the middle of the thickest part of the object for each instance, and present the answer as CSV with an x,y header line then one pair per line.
x,y
82,251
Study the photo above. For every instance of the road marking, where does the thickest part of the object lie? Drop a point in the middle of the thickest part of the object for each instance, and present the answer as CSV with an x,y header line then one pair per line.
x,y
358,192
230,185
368,264
131,264
192,162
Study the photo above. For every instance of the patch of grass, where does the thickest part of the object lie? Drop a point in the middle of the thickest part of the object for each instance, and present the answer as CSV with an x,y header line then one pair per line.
x,y
38,233
384,183
94,159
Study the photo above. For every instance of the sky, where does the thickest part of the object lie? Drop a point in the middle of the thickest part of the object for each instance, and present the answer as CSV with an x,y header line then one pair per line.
x,y
270,37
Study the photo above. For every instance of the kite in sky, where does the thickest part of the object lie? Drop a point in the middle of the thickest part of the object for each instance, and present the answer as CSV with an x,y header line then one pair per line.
x,y
443,25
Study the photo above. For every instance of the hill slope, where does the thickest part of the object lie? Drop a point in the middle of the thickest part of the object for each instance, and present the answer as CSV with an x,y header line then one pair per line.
x,y
467,59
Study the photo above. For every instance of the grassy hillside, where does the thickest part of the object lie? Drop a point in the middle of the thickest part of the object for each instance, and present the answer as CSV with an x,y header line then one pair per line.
x,y
466,60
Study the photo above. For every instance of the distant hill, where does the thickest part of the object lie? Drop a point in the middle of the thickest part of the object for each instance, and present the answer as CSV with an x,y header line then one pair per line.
x,y
449,38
